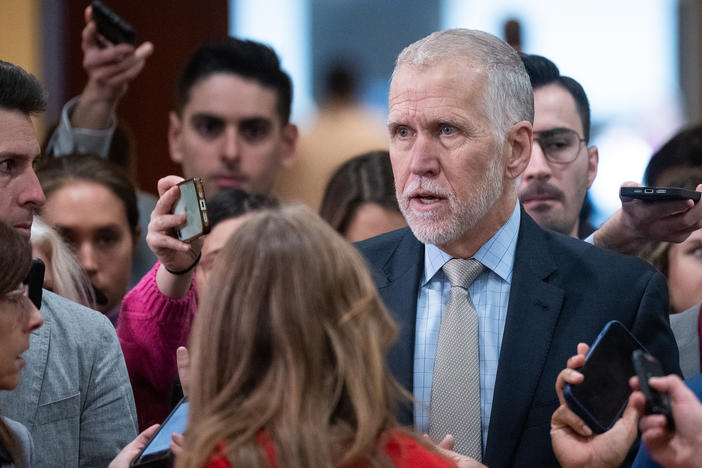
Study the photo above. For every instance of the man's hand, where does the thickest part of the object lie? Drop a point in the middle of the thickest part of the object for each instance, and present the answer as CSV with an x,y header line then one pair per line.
x,y
133,448
110,69
638,222
683,447
573,441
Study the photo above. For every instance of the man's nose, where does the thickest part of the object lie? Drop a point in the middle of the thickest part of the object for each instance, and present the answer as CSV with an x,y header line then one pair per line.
x,y
230,145
31,194
538,167
424,157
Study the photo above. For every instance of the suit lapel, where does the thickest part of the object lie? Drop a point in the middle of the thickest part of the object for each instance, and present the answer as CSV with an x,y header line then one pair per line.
x,y
399,290
534,307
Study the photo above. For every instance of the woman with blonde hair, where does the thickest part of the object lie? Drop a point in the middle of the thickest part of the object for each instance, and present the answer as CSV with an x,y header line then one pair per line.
x,y
288,356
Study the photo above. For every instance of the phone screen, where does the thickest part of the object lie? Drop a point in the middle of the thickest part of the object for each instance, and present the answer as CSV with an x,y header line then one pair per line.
x,y
608,367
175,424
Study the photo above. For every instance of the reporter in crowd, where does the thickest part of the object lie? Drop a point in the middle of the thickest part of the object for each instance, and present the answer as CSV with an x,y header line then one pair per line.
x,y
575,445
74,395
18,318
92,204
288,363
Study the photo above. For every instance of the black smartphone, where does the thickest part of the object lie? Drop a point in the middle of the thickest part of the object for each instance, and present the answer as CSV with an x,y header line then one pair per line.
x,y
111,26
647,366
601,397
156,453
35,282
654,194
193,204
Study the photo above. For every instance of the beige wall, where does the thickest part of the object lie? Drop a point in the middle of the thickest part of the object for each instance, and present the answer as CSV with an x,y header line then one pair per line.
x,y
20,35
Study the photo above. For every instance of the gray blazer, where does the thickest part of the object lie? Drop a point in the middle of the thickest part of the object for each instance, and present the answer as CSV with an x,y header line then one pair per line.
x,y
24,441
74,394
685,326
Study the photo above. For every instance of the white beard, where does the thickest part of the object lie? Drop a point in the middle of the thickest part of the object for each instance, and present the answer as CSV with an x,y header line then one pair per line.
x,y
442,226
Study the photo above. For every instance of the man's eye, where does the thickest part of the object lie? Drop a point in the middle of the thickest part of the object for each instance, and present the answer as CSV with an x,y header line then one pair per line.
x,y
556,143
402,132
255,131
7,166
208,127
697,253
447,130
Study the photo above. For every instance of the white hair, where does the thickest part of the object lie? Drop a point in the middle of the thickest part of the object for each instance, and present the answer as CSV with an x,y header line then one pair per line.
x,y
508,99
69,279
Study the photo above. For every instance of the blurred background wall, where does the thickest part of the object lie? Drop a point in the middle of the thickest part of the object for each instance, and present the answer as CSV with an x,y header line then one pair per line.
x,y
640,61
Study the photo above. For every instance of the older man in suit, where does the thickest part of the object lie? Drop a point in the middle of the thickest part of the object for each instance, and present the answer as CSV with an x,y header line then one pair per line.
x,y
74,394
460,123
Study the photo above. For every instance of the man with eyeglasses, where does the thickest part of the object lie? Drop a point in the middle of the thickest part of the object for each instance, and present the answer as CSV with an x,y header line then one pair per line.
x,y
562,165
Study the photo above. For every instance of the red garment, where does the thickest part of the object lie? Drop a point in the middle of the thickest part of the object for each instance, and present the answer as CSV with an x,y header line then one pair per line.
x,y
404,452
151,327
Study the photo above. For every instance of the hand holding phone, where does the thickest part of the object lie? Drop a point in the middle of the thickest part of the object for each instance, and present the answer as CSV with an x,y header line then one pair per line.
x,y
647,366
193,204
603,394
111,26
156,453
657,194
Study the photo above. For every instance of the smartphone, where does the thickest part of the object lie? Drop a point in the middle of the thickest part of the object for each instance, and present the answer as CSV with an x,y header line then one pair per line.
x,y
602,396
647,366
35,282
156,453
654,194
193,204
111,26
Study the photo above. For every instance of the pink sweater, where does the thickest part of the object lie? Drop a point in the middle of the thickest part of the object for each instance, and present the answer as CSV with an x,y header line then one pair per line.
x,y
151,327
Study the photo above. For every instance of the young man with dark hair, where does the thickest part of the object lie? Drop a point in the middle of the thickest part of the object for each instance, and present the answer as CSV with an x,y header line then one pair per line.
x,y
232,125
74,395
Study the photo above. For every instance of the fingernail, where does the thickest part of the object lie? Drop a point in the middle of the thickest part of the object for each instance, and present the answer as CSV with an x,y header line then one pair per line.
x,y
587,430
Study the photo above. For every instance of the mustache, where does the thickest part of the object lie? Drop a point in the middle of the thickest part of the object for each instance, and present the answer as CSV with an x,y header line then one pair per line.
x,y
426,185
539,189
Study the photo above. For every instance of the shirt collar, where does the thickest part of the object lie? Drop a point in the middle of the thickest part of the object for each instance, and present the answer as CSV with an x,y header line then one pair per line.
x,y
497,254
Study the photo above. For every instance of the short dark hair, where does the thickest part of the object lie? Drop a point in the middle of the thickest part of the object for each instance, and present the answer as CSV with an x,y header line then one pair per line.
x,y
683,150
366,178
248,59
543,72
54,173
20,91
232,203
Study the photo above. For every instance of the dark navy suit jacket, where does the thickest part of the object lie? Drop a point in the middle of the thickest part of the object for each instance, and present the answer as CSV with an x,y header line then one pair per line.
x,y
563,292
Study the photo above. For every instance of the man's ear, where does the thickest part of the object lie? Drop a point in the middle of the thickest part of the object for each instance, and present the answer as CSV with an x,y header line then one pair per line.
x,y
593,159
518,141
290,136
175,134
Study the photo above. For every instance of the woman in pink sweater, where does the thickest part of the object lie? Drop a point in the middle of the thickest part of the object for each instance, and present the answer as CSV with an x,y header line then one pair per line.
x,y
157,314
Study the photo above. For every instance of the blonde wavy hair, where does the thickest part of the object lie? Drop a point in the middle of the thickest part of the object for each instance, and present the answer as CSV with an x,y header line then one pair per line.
x,y
289,342
69,279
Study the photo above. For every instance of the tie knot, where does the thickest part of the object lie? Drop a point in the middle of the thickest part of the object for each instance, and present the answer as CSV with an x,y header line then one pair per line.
x,y
462,272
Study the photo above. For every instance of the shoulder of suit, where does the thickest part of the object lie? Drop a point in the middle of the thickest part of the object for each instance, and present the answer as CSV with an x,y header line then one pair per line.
x,y
588,253
72,317
379,248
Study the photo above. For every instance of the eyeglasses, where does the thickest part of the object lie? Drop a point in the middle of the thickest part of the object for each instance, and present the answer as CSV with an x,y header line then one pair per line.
x,y
560,145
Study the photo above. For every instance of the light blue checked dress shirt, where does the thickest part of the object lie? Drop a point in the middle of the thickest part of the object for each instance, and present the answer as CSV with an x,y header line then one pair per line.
x,y
490,294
